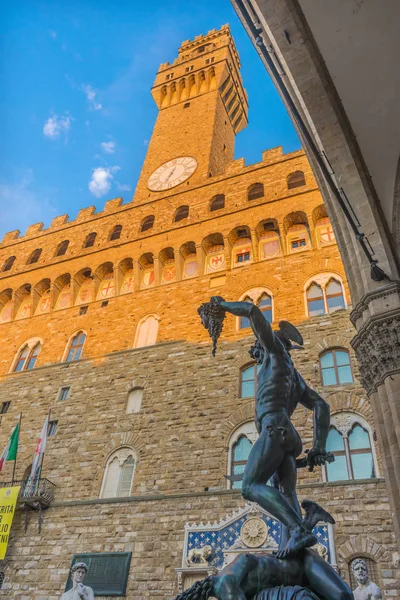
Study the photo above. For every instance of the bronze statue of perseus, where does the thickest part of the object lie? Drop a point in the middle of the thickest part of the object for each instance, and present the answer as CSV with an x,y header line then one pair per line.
x,y
296,571
273,457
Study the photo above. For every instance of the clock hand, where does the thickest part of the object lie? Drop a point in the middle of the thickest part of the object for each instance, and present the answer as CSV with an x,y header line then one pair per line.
x,y
170,175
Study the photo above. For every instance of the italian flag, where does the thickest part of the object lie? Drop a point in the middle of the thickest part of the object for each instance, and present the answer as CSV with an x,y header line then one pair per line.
x,y
10,451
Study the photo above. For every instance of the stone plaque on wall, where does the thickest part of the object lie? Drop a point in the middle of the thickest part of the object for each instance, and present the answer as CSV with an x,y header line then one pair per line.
x,y
108,572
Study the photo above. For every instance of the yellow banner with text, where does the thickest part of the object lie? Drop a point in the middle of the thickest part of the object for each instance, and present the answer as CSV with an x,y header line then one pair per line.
x,y
8,501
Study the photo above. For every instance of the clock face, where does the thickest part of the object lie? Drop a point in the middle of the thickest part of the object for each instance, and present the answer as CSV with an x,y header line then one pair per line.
x,y
172,173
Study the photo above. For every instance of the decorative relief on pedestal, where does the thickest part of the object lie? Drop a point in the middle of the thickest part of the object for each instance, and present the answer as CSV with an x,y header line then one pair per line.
x,y
254,532
322,550
248,528
377,347
199,556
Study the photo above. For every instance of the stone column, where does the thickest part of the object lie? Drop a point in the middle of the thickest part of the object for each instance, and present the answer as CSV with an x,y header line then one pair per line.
x,y
178,263
377,346
282,27
255,244
201,258
157,271
228,252
136,275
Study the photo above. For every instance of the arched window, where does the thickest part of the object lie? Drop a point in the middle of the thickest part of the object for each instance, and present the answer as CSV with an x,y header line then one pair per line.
x,y
240,445
116,233
8,263
334,295
118,475
324,295
248,381
296,179
217,202
75,347
372,571
146,333
244,322
62,248
181,213
350,441
315,300
256,190
240,454
147,223
134,400
27,357
265,305
335,367
34,257
89,240
263,300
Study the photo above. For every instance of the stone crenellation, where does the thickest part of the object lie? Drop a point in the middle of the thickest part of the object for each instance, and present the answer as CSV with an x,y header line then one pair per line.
x,y
270,157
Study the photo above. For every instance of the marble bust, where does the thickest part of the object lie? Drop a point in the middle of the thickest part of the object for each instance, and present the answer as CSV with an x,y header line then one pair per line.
x,y
78,590
366,589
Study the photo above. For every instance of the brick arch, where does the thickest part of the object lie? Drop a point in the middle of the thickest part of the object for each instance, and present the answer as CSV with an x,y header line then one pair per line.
x,y
323,265
334,340
123,439
342,401
240,416
121,260
359,545
242,358
237,291
345,401
147,312
138,382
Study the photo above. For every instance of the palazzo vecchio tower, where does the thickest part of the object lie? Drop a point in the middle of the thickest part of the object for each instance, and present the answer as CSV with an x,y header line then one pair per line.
x,y
99,326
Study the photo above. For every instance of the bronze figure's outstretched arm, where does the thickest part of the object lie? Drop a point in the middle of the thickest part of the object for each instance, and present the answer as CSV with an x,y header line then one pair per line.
x,y
313,401
260,326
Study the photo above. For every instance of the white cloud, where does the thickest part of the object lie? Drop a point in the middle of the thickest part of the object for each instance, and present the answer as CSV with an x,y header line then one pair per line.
x,y
55,126
123,187
52,34
91,94
145,142
108,147
101,180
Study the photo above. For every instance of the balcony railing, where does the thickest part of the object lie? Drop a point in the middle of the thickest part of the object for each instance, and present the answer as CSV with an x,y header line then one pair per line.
x,y
35,494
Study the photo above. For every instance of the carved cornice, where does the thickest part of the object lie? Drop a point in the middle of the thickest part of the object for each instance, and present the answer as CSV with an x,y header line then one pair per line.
x,y
366,299
377,347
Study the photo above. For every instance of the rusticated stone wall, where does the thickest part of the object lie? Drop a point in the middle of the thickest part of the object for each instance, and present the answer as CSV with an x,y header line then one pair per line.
x,y
153,530
191,406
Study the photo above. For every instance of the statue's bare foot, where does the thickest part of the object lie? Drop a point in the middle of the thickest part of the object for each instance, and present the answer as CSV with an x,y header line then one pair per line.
x,y
300,538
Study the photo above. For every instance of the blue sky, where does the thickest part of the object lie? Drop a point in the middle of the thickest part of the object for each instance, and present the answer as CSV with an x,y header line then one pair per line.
x,y
76,112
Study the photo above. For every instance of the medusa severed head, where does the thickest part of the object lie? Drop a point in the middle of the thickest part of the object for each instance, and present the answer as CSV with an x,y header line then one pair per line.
x,y
257,352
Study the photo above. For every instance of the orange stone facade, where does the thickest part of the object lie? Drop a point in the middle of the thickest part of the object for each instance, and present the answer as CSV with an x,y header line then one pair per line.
x,y
130,279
